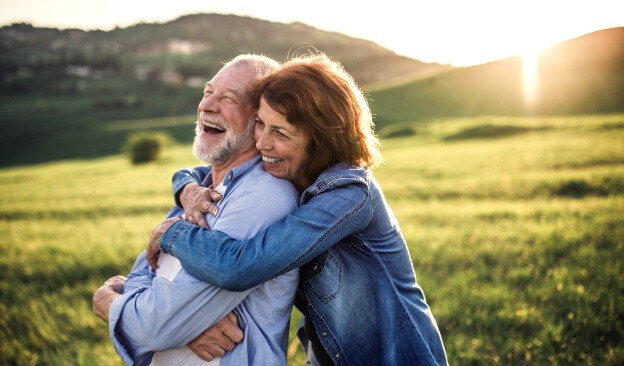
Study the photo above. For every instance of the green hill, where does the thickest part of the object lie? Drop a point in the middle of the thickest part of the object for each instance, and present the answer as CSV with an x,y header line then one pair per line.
x,y
78,94
584,75
59,89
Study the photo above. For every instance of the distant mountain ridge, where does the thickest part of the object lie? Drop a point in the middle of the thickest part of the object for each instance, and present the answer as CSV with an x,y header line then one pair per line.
x,y
62,91
78,94
193,45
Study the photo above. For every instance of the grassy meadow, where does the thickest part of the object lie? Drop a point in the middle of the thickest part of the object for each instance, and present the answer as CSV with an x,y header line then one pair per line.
x,y
515,227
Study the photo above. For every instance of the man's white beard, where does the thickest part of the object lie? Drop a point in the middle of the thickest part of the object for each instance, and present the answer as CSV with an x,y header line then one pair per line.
x,y
219,154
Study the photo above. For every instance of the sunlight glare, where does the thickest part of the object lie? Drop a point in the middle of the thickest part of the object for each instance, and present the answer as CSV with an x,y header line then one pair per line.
x,y
530,79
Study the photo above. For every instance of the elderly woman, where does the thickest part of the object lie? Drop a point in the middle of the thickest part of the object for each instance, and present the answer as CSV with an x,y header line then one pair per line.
x,y
358,291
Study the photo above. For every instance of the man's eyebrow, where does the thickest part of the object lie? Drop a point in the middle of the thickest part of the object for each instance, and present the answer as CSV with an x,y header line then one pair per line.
x,y
236,92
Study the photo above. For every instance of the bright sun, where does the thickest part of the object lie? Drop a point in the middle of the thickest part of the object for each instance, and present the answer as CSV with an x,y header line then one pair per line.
x,y
530,78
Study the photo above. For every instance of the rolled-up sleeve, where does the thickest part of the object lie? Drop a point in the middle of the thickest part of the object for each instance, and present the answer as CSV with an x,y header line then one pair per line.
x,y
166,315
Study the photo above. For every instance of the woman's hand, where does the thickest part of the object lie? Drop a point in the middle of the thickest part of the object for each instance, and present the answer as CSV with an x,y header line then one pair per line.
x,y
153,250
197,201
218,339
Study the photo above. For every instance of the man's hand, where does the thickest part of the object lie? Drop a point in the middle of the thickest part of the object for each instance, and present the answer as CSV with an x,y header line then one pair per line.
x,y
153,250
104,296
197,201
218,339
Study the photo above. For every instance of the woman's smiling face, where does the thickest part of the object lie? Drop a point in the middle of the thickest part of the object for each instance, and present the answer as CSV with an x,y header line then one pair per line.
x,y
283,146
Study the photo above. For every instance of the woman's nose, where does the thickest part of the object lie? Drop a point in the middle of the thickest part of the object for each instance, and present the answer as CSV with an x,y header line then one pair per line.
x,y
262,142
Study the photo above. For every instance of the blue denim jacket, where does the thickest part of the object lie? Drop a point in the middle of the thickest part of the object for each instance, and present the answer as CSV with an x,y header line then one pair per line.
x,y
357,277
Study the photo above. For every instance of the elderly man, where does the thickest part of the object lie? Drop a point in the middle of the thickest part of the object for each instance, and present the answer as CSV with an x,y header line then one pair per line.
x,y
153,316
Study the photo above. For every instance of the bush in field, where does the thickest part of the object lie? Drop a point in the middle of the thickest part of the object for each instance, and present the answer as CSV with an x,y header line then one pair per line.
x,y
398,130
144,147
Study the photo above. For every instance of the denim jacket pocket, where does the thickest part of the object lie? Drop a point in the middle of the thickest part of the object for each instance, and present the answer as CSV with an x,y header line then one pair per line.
x,y
324,277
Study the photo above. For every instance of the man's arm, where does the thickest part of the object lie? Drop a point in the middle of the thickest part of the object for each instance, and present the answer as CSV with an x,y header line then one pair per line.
x,y
188,306
167,314
214,342
139,318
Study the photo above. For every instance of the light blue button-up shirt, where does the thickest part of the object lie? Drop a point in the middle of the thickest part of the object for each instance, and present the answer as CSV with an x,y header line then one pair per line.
x,y
156,314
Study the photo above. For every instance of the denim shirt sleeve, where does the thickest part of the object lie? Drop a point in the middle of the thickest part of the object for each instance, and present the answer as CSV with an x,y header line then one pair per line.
x,y
154,314
313,228
185,176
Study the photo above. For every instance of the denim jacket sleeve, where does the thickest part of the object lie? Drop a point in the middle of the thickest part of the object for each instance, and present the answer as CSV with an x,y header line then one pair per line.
x,y
185,176
313,228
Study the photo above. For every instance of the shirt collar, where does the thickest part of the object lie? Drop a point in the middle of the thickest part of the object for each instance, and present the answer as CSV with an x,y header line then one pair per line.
x,y
234,173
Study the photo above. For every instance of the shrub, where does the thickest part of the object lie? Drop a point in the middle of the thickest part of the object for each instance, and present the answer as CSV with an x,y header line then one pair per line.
x,y
487,131
144,147
398,130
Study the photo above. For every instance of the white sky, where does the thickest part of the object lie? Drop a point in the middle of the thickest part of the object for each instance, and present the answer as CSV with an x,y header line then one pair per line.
x,y
458,32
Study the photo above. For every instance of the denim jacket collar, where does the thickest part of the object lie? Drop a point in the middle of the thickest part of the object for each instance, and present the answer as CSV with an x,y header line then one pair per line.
x,y
339,175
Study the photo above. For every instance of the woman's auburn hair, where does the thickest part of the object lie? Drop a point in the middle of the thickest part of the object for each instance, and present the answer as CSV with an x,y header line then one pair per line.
x,y
316,94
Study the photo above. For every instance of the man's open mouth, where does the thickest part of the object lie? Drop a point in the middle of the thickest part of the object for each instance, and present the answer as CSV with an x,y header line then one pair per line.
x,y
210,127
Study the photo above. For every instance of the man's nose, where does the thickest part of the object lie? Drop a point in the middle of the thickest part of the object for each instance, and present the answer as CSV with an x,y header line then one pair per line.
x,y
209,104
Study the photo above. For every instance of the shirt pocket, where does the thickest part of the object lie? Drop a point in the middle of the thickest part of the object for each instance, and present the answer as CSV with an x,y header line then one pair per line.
x,y
325,276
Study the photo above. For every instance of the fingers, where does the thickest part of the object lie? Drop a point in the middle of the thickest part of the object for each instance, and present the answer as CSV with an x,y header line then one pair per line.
x,y
152,252
214,195
202,222
196,199
116,283
210,344
229,327
218,339
206,351
115,279
210,208
152,259
198,218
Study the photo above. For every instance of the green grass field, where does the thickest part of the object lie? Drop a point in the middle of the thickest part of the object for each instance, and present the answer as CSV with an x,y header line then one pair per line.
x,y
515,227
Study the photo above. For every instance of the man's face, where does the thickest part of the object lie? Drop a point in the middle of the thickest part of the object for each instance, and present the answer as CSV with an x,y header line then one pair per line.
x,y
224,116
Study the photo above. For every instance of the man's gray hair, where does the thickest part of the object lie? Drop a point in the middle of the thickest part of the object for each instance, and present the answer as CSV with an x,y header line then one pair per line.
x,y
262,65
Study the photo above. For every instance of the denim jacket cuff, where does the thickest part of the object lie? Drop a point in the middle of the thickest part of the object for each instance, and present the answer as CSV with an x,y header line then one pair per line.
x,y
168,240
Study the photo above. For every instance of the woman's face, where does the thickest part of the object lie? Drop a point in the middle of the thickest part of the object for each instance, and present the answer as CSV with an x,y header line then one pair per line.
x,y
283,146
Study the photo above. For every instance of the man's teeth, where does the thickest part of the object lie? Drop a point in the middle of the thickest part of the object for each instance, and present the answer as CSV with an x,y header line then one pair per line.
x,y
269,160
212,125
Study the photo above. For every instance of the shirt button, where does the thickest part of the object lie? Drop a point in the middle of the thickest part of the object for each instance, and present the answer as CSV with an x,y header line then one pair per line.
x,y
229,176
314,268
337,355
324,334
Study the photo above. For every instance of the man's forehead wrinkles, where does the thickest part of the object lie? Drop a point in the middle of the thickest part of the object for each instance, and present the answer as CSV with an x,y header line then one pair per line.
x,y
232,90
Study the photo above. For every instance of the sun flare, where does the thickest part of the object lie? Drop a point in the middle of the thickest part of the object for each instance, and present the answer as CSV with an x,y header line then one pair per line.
x,y
530,78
